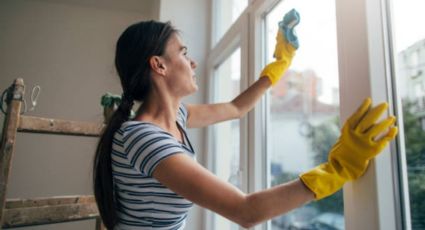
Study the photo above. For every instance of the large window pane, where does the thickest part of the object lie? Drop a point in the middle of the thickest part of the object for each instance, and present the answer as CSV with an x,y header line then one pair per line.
x,y
410,73
226,12
226,134
303,116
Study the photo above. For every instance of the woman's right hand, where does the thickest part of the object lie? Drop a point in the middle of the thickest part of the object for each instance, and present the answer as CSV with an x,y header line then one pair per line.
x,y
361,140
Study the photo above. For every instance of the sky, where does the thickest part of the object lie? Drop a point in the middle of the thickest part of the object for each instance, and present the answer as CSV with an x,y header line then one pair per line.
x,y
408,21
317,38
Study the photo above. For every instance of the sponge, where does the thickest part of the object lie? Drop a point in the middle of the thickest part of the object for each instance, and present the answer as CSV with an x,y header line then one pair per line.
x,y
287,25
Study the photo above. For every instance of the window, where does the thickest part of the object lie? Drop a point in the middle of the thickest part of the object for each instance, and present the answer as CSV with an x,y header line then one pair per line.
x,y
303,120
409,50
226,138
321,89
226,12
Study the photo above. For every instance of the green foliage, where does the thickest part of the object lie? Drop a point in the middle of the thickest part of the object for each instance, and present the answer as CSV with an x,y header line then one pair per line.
x,y
415,156
334,203
284,178
414,137
322,138
417,199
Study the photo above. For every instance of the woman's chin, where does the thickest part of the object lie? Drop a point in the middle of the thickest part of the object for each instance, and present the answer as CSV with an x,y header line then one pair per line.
x,y
195,88
195,84
192,90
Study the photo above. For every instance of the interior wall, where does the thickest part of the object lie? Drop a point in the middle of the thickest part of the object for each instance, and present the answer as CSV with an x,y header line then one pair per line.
x,y
192,18
66,47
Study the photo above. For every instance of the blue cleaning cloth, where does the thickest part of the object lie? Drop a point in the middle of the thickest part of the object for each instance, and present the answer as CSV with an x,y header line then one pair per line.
x,y
290,20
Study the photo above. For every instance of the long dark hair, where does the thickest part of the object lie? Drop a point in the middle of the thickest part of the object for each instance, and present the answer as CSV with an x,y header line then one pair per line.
x,y
136,45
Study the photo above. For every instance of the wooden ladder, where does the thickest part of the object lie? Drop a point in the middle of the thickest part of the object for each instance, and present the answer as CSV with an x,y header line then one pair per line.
x,y
39,211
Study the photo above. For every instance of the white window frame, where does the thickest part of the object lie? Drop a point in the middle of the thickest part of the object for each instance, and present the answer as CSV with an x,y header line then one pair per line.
x,y
236,37
378,200
371,202
257,152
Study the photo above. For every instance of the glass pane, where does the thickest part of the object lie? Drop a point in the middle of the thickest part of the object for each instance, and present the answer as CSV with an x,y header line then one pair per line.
x,y
304,110
226,134
410,73
226,12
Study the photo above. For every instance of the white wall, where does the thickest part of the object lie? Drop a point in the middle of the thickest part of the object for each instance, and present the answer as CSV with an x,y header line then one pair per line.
x,y
192,18
66,47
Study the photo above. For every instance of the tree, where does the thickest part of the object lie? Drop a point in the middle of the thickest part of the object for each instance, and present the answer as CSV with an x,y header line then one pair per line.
x,y
322,137
415,156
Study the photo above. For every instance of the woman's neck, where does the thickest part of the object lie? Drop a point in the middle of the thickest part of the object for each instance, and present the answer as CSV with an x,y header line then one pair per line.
x,y
160,109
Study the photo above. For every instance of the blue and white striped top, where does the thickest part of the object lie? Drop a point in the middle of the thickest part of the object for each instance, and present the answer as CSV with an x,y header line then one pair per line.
x,y
142,201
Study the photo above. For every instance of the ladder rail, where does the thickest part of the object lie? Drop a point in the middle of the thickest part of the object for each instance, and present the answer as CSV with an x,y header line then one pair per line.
x,y
7,147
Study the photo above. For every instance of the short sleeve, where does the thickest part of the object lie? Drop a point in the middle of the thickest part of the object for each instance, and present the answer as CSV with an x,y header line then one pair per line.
x,y
182,115
147,146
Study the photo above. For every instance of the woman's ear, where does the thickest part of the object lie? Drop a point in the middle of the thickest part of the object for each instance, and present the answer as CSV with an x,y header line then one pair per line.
x,y
157,65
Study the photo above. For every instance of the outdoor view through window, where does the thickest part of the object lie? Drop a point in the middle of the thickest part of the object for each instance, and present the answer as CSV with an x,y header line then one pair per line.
x,y
303,120
410,73
226,13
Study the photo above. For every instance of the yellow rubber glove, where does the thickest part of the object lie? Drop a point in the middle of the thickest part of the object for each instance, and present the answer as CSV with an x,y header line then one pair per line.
x,y
361,140
284,52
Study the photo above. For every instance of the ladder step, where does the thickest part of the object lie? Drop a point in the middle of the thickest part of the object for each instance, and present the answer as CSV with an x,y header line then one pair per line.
x,y
43,201
56,126
38,211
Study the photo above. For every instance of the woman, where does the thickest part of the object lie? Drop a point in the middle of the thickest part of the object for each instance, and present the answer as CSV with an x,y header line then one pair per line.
x,y
145,176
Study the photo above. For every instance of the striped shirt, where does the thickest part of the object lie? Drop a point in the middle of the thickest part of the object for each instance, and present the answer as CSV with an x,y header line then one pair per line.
x,y
142,201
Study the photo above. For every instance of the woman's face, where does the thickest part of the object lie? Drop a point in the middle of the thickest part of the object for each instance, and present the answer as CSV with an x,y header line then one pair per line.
x,y
180,74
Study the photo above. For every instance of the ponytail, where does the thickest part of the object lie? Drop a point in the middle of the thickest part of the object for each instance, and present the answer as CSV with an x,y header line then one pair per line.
x,y
102,168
